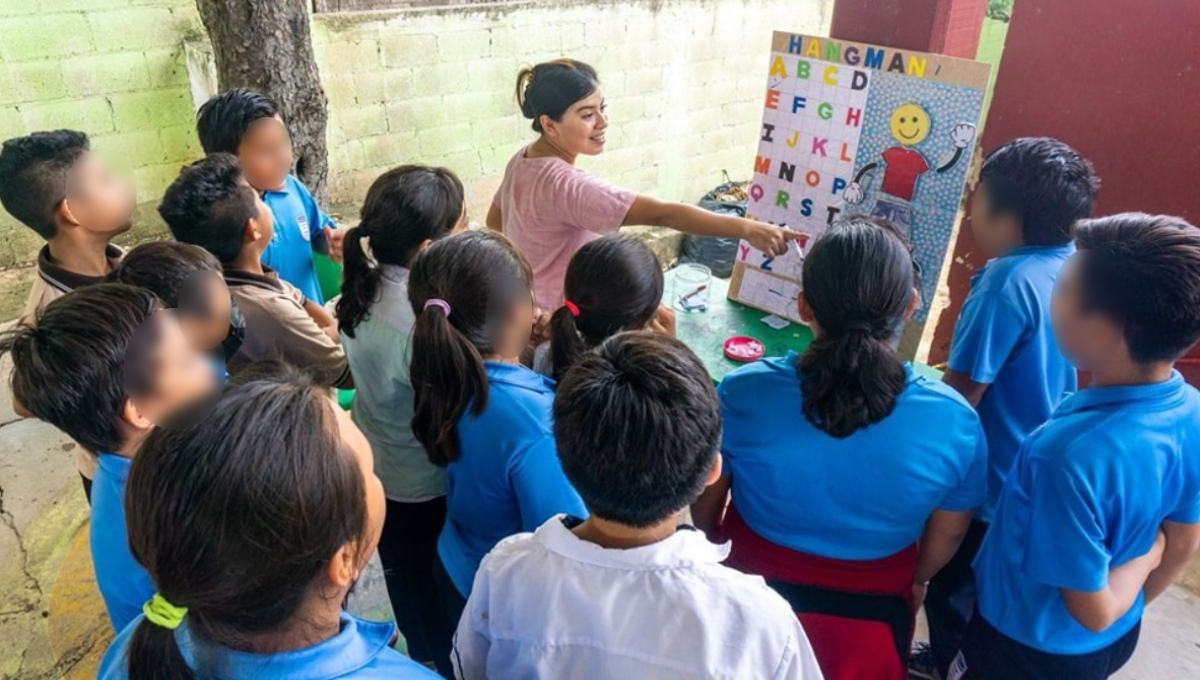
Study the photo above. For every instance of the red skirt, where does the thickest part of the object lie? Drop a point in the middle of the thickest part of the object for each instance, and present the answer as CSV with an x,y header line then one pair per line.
x,y
849,645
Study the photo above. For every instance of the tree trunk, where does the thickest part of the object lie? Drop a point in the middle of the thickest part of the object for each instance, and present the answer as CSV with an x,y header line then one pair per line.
x,y
266,45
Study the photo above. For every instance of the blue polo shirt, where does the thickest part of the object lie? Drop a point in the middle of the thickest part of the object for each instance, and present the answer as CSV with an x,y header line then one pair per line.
x,y
1003,339
1087,493
508,478
863,497
298,221
360,650
123,584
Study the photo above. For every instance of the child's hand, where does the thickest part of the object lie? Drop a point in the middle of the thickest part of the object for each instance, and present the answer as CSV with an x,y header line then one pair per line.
x,y
663,321
541,328
332,332
335,238
770,239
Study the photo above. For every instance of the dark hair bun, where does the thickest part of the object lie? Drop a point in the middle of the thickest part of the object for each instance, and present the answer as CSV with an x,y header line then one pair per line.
x,y
552,87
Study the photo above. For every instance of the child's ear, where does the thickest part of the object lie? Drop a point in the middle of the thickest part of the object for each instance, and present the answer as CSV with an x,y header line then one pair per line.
x,y
714,473
912,304
806,314
424,244
343,567
253,232
134,417
63,214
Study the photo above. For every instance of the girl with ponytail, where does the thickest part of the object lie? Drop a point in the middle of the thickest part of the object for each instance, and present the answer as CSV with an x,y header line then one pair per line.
x,y
405,210
852,478
613,284
478,412
550,208
254,525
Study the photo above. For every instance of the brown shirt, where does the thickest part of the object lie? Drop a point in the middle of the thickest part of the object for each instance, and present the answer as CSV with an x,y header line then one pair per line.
x,y
51,283
279,328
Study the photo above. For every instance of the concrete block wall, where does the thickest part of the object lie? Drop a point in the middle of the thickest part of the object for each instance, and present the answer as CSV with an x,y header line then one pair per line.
x,y
683,80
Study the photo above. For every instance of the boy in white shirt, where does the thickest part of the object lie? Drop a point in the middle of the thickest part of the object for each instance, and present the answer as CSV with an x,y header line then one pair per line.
x,y
629,593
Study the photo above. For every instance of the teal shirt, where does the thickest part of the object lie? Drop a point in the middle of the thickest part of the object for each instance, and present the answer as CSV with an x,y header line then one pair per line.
x,y
298,222
383,399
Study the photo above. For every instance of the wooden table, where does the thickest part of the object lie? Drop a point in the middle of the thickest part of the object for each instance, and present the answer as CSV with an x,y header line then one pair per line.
x,y
706,332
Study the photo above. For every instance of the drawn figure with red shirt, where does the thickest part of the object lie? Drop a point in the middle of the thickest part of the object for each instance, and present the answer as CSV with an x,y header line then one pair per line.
x,y
910,125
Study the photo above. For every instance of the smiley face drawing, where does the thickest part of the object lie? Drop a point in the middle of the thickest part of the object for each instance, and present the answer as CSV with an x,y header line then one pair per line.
x,y
910,125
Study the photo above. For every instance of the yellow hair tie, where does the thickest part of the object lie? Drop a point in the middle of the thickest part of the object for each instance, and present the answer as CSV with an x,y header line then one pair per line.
x,y
162,613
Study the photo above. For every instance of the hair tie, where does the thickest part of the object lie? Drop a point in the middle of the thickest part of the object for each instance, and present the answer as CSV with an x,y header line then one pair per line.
x,y
162,613
858,327
572,308
437,302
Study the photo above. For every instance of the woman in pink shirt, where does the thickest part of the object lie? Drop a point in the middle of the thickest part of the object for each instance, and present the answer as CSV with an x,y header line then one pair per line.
x,y
549,208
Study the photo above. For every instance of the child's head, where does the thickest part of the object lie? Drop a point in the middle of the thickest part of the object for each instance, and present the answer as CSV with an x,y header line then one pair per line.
x,y
263,541
406,210
186,278
211,205
1131,292
170,382
564,100
68,370
859,289
613,284
247,124
638,426
1031,190
471,294
52,181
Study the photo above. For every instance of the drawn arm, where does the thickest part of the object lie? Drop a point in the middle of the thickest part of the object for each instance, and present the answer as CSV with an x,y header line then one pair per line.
x,y
961,135
854,191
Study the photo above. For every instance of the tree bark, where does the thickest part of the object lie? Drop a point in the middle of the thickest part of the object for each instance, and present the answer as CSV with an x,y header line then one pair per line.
x,y
266,45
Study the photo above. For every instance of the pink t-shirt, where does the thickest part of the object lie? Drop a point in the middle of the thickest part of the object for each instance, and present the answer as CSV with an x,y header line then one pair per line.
x,y
550,209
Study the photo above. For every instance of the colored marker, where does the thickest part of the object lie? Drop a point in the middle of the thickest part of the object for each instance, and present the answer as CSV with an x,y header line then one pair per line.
x,y
683,300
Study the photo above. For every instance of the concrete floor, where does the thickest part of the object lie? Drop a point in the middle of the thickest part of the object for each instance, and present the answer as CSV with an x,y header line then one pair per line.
x,y
53,625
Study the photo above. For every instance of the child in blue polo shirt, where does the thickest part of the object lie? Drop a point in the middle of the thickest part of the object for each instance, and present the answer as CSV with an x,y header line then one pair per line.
x,y
255,549
477,411
1003,358
248,125
842,460
1101,509
71,371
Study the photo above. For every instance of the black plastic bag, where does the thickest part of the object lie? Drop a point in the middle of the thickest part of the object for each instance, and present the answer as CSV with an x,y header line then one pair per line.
x,y
718,253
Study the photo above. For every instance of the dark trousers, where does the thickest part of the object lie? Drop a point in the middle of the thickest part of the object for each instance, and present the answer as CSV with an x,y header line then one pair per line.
x,y
87,488
950,599
988,654
451,604
407,548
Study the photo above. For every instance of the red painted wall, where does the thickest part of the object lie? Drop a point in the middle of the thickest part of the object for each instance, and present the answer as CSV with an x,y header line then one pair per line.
x,y
1120,81
942,26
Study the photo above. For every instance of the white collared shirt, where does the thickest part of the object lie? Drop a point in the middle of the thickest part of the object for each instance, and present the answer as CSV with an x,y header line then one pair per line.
x,y
551,605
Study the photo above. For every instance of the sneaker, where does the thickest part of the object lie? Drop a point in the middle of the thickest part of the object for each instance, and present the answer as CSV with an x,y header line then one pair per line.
x,y
921,662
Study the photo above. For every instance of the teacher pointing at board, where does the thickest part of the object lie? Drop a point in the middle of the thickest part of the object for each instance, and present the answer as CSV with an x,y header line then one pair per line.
x,y
550,208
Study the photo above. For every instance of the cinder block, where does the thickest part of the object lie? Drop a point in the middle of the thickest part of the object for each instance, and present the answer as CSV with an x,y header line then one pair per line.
x,y
345,157
471,45
139,28
468,107
465,164
152,180
49,35
494,159
644,80
389,150
507,131
106,73
92,115
430,80
418,114
152,109
493,74
11,123
167,67
32,81
398,84
130,150
370,87
343,58
408,49
360,122
439,141
339,88
507,42
180,143
573,36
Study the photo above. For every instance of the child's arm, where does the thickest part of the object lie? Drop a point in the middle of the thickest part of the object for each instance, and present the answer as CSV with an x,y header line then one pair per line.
x,y
319,314
493,219
1099,609
541,487
708,511
1183,542
963,384
471,642
944,532
988,329
699,222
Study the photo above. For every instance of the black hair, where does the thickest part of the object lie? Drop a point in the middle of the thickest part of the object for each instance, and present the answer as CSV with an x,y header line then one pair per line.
x,y
1045,183
68,369
404,208
1144,272
166,269
33,176
638,426
550,88
616,283
208,205
482,276
236,517
858,281
223,120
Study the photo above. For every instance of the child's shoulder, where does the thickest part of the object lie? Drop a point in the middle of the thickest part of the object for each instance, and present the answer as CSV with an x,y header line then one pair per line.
x,y
939,395
759,374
